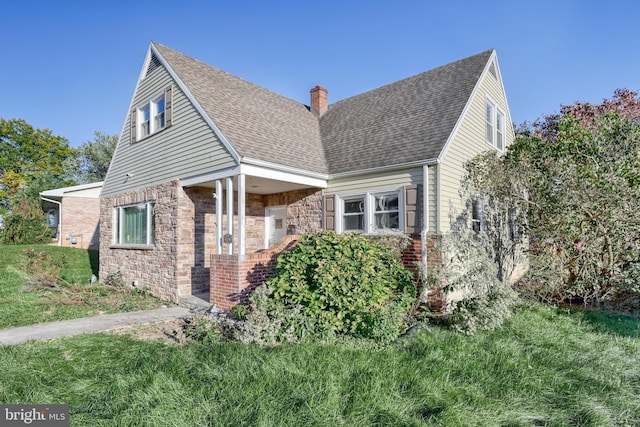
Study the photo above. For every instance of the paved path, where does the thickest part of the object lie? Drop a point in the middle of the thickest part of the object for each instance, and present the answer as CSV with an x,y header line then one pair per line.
x,y
105,322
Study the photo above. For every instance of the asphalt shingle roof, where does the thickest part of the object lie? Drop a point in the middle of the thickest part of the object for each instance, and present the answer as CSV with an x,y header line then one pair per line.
x,y
402,122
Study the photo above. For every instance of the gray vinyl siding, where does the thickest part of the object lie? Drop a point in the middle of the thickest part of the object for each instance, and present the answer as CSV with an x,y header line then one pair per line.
x,y
187,148
387,180
469,141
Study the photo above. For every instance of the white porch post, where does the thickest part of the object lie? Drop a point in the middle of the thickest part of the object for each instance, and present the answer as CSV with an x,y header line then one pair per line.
x,y
219,217
241,214
230,214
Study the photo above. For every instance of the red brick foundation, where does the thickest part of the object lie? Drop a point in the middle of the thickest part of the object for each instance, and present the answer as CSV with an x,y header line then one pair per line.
x,y
235,277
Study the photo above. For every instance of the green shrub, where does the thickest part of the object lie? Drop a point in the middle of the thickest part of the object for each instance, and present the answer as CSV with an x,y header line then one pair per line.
x,y
344,284
469,272
26,224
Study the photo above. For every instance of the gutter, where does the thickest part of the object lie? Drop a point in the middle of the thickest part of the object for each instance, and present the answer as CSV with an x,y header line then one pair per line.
x,y
59,228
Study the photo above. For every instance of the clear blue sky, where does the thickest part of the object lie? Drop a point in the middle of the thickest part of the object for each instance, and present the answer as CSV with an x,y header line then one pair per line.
x,y
72,66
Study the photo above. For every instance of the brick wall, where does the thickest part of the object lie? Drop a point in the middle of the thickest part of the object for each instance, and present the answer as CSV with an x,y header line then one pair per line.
x,y
234,277
80,222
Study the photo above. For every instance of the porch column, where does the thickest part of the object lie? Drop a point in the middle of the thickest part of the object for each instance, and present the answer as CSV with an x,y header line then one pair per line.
x,y
230,214
219,216
241,214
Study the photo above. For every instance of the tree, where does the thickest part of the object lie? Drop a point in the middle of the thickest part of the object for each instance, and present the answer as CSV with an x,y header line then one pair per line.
x,y
94,157
575,177
25,154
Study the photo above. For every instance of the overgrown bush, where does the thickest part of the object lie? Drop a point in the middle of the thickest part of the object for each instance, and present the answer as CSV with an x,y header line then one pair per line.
x,y
471,276
334,284
26,224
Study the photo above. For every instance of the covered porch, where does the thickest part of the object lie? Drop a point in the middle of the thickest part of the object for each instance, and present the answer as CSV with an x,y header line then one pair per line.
x,y
242,218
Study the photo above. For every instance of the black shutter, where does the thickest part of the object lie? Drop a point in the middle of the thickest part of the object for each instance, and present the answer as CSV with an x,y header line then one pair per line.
x,y
168,106
133,130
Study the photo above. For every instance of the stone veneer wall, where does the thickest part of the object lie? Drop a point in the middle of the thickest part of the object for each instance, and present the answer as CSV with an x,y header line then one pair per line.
x,y
304,209
80,218
180,262
156,266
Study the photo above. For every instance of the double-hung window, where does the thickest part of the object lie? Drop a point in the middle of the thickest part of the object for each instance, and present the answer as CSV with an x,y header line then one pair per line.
x,y
134,224
371,212
151,117
495,125
353,214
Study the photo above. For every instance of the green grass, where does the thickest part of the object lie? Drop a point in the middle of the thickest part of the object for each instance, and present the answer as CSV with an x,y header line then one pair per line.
x,y
545,366
75,297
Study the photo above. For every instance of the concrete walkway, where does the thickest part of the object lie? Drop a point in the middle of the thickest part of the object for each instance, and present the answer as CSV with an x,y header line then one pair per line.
x,y
87,325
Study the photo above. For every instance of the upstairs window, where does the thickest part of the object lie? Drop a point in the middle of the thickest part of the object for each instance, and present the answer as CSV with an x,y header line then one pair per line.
x,y
152,116
495,125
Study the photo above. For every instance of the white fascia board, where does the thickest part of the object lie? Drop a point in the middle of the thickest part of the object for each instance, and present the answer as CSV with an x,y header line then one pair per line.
x,y
384,168
280,175
59,192
201,179
236,156
467,106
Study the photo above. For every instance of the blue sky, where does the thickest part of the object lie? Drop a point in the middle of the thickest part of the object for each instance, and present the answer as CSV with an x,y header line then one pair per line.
x,y
72,66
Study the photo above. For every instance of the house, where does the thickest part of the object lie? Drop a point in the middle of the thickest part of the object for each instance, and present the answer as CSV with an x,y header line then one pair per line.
x,y
211,171
74,214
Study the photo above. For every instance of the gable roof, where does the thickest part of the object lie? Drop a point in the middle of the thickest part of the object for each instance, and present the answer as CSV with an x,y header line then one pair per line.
x,y
258,123
403,122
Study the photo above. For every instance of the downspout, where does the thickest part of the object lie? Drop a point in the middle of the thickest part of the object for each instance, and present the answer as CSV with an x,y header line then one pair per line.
x,y
59,218
425,229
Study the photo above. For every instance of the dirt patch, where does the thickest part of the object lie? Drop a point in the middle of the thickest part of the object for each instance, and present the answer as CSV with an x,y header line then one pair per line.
x,y
169,332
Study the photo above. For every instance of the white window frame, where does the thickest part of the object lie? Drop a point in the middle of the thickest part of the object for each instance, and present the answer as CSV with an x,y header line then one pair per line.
x,y
152,106
369,198
118,230
495,125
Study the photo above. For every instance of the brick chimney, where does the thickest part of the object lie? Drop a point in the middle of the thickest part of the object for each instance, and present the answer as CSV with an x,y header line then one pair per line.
x,y
318,100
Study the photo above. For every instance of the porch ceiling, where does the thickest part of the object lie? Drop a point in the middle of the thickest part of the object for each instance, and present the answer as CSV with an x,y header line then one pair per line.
x,y
259,185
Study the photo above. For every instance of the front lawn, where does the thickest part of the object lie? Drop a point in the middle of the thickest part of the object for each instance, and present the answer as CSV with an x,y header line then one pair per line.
x,y
73,297
544,367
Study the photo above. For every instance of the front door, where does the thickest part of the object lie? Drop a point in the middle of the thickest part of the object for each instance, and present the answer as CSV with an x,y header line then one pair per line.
x,y
275,224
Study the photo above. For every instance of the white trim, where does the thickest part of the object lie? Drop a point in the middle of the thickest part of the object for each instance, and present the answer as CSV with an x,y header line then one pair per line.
x,y
236,156
60,192
229,195
279,175
219,216
201,179
384,168
241,214
247,162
